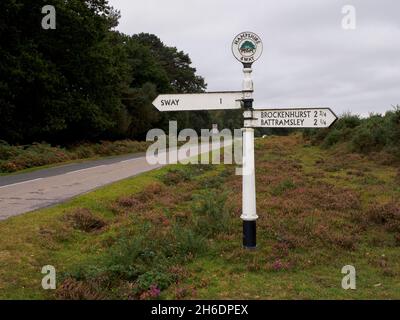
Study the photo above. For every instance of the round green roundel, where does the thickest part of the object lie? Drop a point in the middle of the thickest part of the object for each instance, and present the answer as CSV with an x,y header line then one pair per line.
x,y
247,47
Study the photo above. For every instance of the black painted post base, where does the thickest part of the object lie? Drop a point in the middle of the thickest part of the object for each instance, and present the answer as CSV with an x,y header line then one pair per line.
x,y
249,235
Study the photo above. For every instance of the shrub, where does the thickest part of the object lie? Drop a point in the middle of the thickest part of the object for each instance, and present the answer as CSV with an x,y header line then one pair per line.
x,y
128,257
371,135
152,293
211,214
188,242
348,120
175,176
153,278
211,182
7,151
130,202
198,169
84,151
387,215
72,289
153,189
332,138
84,220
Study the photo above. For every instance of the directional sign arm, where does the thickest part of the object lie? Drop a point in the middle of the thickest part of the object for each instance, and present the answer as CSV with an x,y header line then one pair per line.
x,y
294,118
199,101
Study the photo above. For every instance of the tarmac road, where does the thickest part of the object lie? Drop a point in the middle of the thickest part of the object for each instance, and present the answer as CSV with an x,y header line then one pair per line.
x,y
26,192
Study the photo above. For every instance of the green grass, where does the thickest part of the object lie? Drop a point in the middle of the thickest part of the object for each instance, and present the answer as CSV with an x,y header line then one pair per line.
x,y
222,281
318,212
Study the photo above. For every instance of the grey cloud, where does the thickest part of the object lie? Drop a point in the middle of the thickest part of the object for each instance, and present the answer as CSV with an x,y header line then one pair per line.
x,y
308,58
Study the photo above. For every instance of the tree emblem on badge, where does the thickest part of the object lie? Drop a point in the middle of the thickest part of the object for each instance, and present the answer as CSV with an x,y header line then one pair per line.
x,y
248,48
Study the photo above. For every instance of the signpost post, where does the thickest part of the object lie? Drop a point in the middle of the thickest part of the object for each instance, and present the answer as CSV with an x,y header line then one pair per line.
x,y
247,47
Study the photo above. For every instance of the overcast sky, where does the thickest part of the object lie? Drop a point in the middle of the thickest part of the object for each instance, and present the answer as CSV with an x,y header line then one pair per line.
x,y
308,58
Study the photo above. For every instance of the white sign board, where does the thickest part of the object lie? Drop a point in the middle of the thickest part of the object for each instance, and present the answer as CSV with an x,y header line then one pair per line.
x,y
199,101
247,47
294,118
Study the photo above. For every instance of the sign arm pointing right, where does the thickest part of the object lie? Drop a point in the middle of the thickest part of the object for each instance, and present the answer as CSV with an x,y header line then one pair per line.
x,y
294,118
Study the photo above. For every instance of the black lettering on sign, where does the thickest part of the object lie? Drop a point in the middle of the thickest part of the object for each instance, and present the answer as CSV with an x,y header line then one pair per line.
x,y
171,102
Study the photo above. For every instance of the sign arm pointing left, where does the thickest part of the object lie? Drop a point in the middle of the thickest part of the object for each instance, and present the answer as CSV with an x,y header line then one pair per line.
x,y
199,101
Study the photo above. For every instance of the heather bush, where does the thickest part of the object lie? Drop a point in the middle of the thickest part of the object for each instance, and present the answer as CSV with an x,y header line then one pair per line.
x,y
83,219
175,176
387,215
282,187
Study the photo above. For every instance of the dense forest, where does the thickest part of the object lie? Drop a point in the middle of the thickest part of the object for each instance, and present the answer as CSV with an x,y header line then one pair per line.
x,y
84,81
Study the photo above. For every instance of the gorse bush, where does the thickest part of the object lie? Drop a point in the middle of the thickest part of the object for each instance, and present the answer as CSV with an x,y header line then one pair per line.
x,y
130,257
332,138
377,133
147,280
211,213
188,242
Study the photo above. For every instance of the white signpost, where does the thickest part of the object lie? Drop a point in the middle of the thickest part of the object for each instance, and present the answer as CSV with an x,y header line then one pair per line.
x,y
247,47
199,101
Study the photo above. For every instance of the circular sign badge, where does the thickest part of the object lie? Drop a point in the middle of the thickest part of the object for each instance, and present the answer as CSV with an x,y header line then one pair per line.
x,y
247,47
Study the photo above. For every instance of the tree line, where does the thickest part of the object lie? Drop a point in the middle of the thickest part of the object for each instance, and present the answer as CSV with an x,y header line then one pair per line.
x,y
86,81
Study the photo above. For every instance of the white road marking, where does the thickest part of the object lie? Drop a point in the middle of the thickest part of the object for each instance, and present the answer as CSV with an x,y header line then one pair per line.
x,y
14,184
130,160
103,165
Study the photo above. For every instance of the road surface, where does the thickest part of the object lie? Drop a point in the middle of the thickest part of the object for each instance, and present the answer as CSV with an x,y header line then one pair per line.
x,y
26,192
